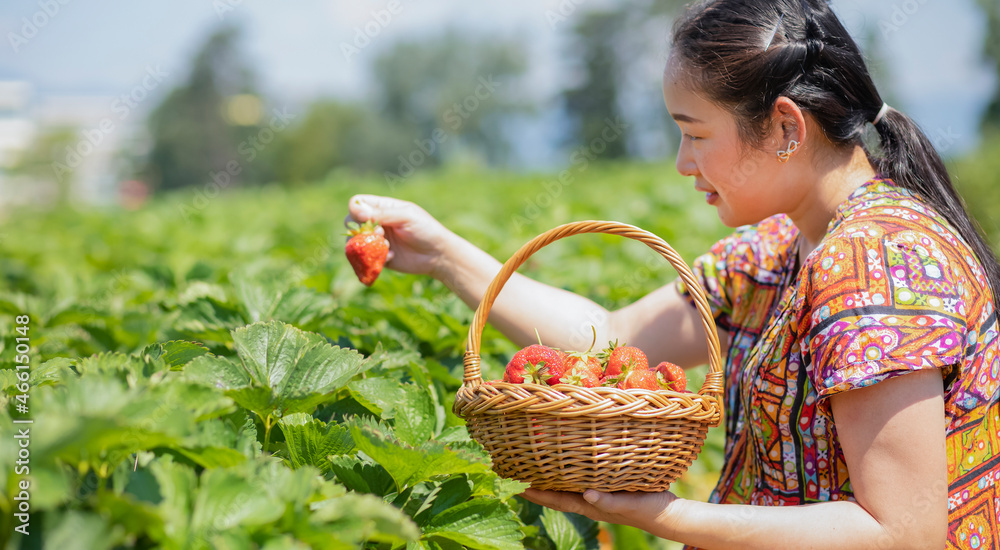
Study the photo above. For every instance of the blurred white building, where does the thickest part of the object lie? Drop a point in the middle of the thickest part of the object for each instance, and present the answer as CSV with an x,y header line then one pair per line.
x,y
85,168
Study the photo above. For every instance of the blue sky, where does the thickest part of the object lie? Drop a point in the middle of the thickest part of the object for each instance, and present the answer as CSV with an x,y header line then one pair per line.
x,y
105,47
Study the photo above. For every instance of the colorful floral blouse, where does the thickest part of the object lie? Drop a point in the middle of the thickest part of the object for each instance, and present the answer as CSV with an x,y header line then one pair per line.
x,y
891,289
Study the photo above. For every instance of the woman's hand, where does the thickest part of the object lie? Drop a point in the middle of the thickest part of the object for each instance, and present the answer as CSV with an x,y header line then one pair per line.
x,y
417,241
652,512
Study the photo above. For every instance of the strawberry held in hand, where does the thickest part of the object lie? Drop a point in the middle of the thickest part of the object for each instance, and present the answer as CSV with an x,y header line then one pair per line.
x,y
367,250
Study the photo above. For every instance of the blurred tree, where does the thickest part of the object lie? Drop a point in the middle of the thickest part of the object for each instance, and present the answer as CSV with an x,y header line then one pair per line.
x,y
610,51
451,94
333,134
991,50
593,104
205,125
49,162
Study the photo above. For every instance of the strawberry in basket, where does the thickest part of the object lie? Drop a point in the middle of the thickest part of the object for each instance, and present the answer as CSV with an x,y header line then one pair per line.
x,y
671,377
536,364
583,369
622,359
639,378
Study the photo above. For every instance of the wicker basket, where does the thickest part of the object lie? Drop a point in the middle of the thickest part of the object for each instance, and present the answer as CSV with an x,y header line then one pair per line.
x,y
570,438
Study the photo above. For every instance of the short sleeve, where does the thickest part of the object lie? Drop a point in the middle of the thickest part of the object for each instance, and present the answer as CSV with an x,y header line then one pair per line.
x,y
710,270
738,266
882,305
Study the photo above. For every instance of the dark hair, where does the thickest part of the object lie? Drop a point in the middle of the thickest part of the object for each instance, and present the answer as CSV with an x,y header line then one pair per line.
x,y
744,54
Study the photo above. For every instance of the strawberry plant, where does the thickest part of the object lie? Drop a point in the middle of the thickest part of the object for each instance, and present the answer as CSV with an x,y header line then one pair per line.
x,y
217,377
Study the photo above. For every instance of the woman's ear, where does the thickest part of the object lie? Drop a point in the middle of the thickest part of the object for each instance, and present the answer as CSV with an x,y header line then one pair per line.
x,y
789,123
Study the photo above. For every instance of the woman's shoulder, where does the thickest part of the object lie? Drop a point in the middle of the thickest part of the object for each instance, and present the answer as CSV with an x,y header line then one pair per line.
x,y
881,214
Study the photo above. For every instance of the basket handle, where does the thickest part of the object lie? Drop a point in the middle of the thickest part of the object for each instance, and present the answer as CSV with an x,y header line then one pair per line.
x,y
713,380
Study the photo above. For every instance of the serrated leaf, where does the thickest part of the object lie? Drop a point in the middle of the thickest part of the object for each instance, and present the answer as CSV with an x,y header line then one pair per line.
x,y
226,500
409,405
414,416
282,370
310,441
484,524
409,465
450,493
355,518
362,476
52,370
570,531
177,353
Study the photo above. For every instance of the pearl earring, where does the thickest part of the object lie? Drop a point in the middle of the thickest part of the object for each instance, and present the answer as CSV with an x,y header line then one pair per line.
x,y
783,156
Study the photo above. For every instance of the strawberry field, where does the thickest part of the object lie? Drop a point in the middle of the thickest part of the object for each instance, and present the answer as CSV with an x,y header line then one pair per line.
x,y
207,372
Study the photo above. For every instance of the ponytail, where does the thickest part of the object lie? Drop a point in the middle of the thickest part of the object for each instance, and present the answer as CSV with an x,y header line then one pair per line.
x,y
909,159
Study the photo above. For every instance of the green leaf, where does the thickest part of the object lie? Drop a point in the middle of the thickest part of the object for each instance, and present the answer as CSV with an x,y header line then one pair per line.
x,y
414,416
485,524
409,405
410,465
310,441
97,420
227,500
177,353
450,493
75,530
282,370
626,536
208,319
53,370
570,531
354,518
362,476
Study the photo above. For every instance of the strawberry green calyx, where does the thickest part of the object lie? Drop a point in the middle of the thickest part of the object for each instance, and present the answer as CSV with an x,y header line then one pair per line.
x,y
536,374
355,228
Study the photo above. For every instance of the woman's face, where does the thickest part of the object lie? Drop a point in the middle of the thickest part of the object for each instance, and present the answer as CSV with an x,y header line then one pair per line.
x,y
741,181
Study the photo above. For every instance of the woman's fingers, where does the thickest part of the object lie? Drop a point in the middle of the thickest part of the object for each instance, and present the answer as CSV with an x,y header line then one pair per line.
x,y
385,210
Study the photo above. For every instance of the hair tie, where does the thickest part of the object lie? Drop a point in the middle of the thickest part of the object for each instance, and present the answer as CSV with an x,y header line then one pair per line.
x,y
881,113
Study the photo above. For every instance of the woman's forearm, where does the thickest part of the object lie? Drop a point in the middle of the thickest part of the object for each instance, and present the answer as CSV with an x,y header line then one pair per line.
x,y
829,525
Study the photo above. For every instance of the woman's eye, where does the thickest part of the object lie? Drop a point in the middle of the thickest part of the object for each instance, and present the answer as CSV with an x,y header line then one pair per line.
x,y
690,137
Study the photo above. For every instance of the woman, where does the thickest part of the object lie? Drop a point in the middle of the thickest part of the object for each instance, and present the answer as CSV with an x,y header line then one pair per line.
x,y
856,297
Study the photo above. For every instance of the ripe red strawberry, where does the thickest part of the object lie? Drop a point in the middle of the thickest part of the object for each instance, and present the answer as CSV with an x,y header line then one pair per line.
x,y
581,375
639,378
536,364
671,376
622,359
367,251
586,362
